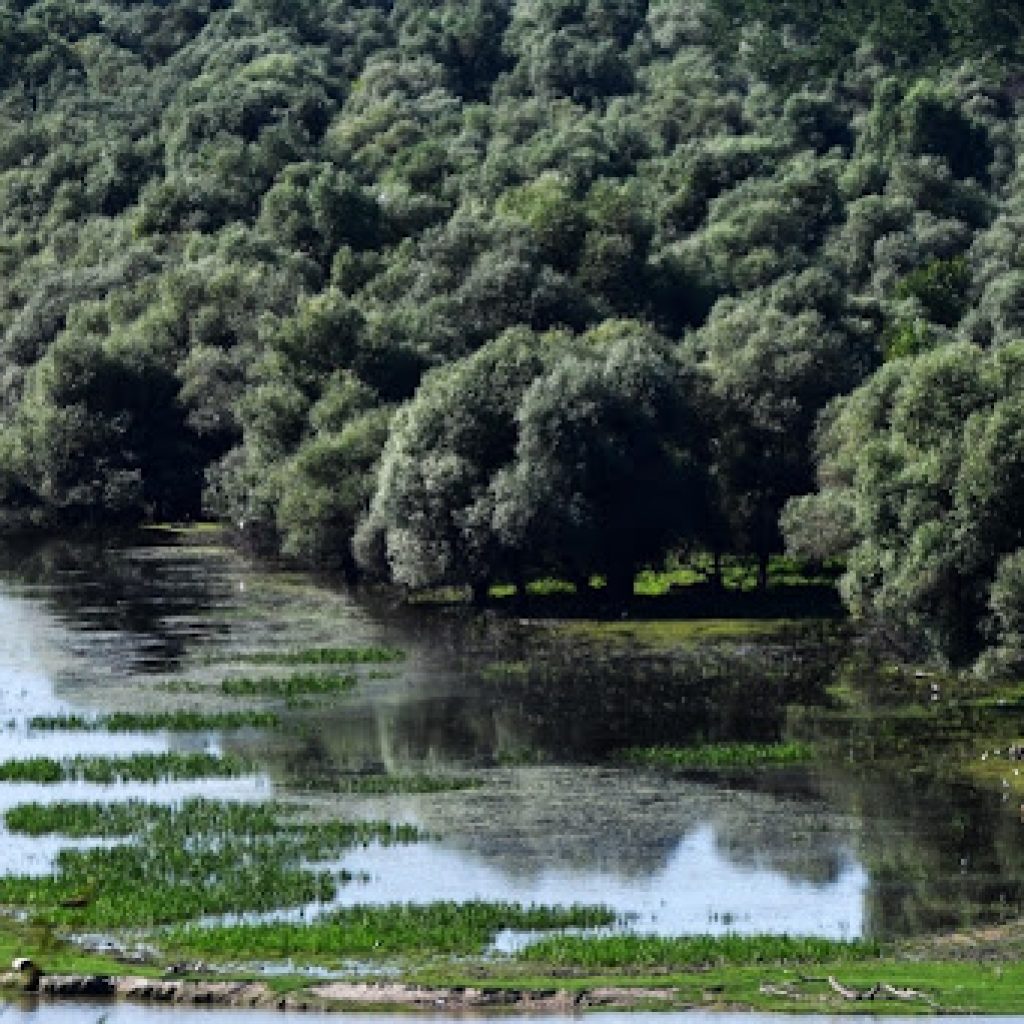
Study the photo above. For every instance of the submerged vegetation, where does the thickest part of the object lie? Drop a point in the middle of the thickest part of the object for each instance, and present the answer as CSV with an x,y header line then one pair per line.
x,y
719,755
135,768
322,656
202,858
300,684
375,931
182,720
383,785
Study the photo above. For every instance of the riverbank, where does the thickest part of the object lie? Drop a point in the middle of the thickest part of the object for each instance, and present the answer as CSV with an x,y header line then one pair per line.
x,y
969,972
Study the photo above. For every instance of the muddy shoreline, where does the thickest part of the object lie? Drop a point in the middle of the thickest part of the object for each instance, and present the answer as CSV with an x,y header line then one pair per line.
x,y
333,995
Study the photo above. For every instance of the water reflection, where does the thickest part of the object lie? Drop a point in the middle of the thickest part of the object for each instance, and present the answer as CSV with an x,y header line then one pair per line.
x,y
537,717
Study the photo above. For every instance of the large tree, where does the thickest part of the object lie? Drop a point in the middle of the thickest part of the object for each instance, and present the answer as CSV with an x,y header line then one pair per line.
x,y
921,489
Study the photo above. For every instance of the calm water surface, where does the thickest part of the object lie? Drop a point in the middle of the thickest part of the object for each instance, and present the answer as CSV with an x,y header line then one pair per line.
x,y
842,850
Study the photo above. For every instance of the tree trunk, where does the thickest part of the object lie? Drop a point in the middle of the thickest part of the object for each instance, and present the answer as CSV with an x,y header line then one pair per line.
x,y
620,584
716,571
479,590
519,582
762,571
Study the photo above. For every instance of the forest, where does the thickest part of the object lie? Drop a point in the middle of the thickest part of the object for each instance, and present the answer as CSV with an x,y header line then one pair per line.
x,y
467,291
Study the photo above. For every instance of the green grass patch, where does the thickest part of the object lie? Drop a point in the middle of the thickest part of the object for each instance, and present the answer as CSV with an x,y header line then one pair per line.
x,y
719,755
392,930
667,633
637,953
298,685
136,768
132,817
157,721
322,656
386,785
204,857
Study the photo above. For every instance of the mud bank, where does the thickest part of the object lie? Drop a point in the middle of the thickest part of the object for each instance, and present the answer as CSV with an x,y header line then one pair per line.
x,y
335,995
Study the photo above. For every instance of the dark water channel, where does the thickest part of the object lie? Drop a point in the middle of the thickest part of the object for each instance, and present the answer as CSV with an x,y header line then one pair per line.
x,y
851,846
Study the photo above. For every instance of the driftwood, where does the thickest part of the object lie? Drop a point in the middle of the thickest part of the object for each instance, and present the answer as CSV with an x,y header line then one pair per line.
x,y
880,990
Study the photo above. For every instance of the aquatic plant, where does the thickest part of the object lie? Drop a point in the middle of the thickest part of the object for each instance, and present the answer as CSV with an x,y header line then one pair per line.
x,y
146,767
132,817
719,755
639,953
202,858
384,785
322,656
393,929
157,721
287,686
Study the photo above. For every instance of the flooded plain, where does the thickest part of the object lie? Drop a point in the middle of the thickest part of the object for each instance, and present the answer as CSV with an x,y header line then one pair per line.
x,y
500,739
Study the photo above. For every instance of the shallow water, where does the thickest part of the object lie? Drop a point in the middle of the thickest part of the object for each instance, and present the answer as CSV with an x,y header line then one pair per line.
x,y
839,851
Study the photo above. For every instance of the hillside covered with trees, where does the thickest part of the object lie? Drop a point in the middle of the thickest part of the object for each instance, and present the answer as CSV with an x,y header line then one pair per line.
x,y
459,291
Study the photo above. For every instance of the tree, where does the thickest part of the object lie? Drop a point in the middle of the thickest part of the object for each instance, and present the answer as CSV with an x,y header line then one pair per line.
x,y
608,470
429,521
774,360
926,462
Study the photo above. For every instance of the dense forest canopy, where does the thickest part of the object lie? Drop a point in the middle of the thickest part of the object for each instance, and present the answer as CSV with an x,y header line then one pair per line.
x,y
470,290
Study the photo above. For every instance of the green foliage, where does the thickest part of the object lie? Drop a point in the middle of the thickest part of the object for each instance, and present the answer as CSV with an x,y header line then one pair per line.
x,y
326,270
531,454
923,467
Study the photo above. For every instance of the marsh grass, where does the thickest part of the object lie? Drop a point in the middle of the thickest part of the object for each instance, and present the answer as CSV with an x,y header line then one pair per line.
x,y
322,656
640,953
157,767
386,785
202,858
669,633
719,755
157,721
300,684
375,931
